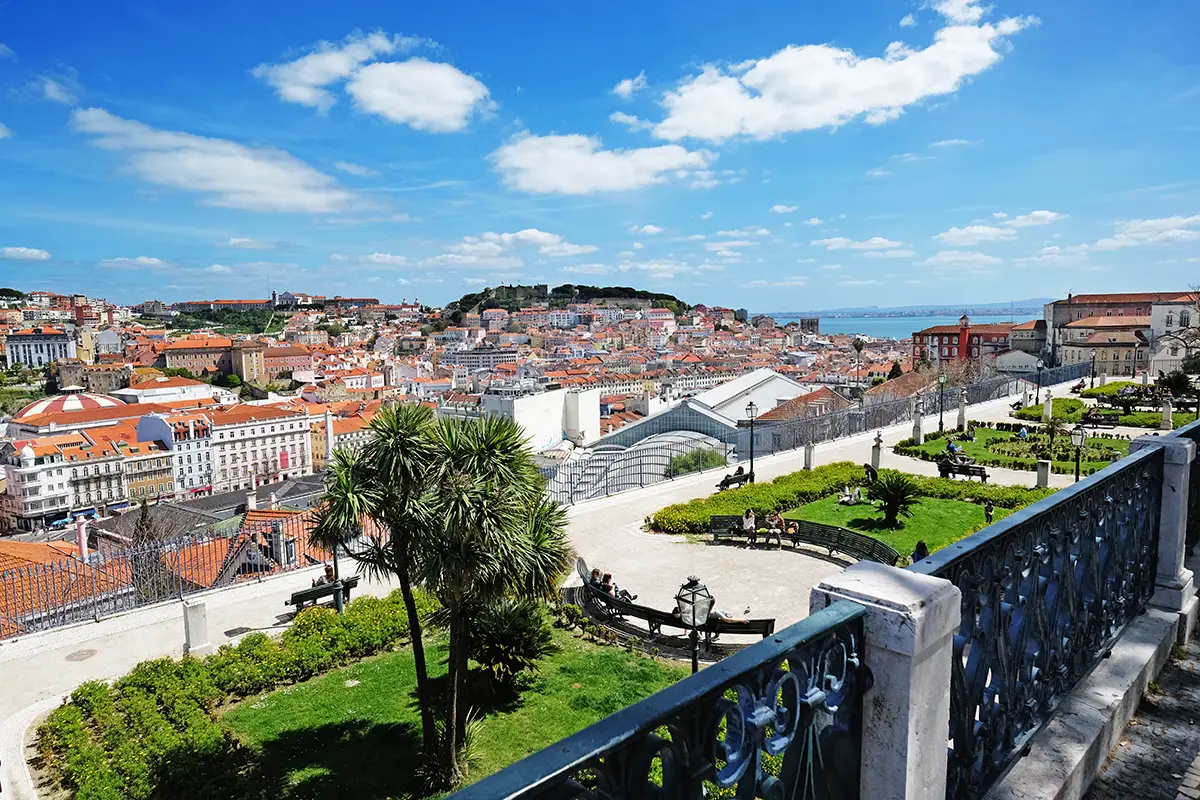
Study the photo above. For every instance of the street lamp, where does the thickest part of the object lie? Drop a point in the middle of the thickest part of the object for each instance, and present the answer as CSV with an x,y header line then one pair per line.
x,y
751,413
1078,436
941,403
1041,365
694,602
1093,385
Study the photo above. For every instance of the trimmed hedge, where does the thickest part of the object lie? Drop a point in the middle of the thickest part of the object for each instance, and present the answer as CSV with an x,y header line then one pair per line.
x,y
1110,389
1068,409
799,488
155,734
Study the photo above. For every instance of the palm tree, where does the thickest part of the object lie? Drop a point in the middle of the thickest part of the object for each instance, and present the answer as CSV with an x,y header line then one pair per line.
x,y
498,537
1053,428
380,493
897,493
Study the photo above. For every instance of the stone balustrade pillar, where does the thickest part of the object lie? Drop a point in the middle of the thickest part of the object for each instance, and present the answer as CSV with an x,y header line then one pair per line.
x,y
909,629
1175,588
1043,473
810,453
877,449
962,410
1103,379
1168,417
195,628
918,412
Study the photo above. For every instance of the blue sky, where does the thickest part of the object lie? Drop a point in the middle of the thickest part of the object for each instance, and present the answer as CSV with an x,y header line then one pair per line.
x,y
775,155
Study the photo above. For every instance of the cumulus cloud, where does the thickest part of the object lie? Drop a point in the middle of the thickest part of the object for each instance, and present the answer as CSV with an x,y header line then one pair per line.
x,y
305,79
706,215
907,21
951,143
58,91
782,209
1053,255
972,235
965,259
24,254
242,243
739,232
138,262
633,122
628,87
4,131
877,172
814,221
889,254
219,269
385,259
225,173
1034,218
646,229
842,243
1139,232
808,87
578,164
499,249
355,169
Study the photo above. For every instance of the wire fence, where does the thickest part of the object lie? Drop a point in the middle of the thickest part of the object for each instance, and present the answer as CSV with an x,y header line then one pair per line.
x,y
114,578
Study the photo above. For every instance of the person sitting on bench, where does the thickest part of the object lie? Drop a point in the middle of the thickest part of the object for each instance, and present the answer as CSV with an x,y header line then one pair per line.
x,y
720,615
613,590
775,528
740,470
750,526
327,578
594,580
921,553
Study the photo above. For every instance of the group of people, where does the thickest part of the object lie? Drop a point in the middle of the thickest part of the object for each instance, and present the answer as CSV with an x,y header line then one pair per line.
x,y
776,526
604,582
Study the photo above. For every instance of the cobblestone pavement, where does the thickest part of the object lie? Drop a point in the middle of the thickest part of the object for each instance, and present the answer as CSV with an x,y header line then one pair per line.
x,y
1157,756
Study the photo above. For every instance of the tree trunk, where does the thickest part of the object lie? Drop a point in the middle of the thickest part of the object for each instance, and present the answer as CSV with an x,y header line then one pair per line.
x,y
424,696
453,775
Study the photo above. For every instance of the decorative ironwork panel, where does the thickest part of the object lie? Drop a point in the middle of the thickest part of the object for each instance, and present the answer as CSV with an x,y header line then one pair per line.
x,y
1045,592
780,719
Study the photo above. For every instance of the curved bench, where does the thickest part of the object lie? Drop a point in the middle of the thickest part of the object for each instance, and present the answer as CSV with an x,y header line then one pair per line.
x,y
833,538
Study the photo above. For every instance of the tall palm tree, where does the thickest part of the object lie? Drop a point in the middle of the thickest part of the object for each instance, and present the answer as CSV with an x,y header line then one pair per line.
x,y
498,537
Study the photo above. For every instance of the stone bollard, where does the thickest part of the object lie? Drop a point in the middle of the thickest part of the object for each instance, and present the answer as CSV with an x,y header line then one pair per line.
x,y
810,452
1043,473
877,449
1102,379
1168,417
1026,399
1145,379
962,410
1048,406
195,628
918,410
909,631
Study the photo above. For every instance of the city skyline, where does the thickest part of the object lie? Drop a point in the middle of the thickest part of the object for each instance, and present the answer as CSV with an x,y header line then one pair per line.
x,y
877,153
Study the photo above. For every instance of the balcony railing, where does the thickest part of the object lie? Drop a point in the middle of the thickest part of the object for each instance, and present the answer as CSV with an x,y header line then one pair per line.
x,y
1045,593
781,718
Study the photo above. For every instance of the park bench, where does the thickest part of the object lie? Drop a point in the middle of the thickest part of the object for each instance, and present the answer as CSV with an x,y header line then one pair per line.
x,y
313,594
831,537
612,608
1098,421
735,479
947,469
723,526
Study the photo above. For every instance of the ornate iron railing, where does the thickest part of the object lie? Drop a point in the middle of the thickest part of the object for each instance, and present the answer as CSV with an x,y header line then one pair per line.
x,y
781,718
1192,432
1045,592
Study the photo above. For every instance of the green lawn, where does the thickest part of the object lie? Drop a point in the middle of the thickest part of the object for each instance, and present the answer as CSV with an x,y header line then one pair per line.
x,y
1003,449
327,739
938,522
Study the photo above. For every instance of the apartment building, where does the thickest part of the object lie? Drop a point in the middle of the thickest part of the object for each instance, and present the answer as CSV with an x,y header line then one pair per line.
x,y
39,346
258,444
199,356
188,439
942,344
37,491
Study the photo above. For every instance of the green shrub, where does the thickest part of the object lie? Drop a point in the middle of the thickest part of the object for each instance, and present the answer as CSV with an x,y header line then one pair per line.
x,y
509,637
1110,389
1067,409
693,461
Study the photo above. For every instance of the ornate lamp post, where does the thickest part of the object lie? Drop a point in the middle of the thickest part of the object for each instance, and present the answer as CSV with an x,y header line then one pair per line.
x,y
1078,437
1041,365
694,602
941,403
1093,383
751,413
859,344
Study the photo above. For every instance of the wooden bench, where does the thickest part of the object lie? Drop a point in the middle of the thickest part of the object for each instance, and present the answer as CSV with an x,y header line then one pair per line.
x,y
312,595
831,537
723,526
735,479
609,607
947,469
1098,421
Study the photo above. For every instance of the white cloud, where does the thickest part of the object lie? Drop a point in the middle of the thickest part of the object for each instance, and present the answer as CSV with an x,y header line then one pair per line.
x,y
226,173
468,260
6,52
637,123
830,267
650,230
242,243
974,234
385,259
814,221
637,245
356,169
475,281
576,164
666,268
842,243
889,254
57,91
629,86
859,282
4,131
1034,218
1166,230
739,232
877,172
951,143
808,87
1000,215
338,257
138,262
907,21
24,254
967,259
219,269
728,245
588,269
304,80
496,249
1053,255
706,215
567,249
781,284
425,95
781,209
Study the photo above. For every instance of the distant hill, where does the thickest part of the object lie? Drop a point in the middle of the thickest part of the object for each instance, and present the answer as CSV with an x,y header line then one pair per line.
x,y
512,298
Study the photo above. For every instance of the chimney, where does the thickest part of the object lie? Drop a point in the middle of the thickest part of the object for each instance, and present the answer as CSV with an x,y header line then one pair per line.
x,y
81,537
251,501
272,501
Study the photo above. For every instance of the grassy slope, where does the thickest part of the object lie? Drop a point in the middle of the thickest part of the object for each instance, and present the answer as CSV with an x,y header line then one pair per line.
x,y
978,449
938,522
333,740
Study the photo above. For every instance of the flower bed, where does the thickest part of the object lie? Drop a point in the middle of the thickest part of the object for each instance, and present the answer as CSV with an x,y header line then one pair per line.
x,y
1110,389
1002,448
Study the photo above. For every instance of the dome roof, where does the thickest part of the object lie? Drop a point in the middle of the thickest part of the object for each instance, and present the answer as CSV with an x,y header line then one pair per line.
x,y
66,402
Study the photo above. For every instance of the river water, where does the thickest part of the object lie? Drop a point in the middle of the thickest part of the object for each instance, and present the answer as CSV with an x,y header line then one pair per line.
x,y
889,327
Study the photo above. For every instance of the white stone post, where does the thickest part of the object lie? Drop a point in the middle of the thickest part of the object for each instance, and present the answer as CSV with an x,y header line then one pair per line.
x,y
1102,379
810,454
877,449
1048,406
1043,473
1168,417
962,410
1145,377
1026,399
909,628
1174,588
918,411
195,628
